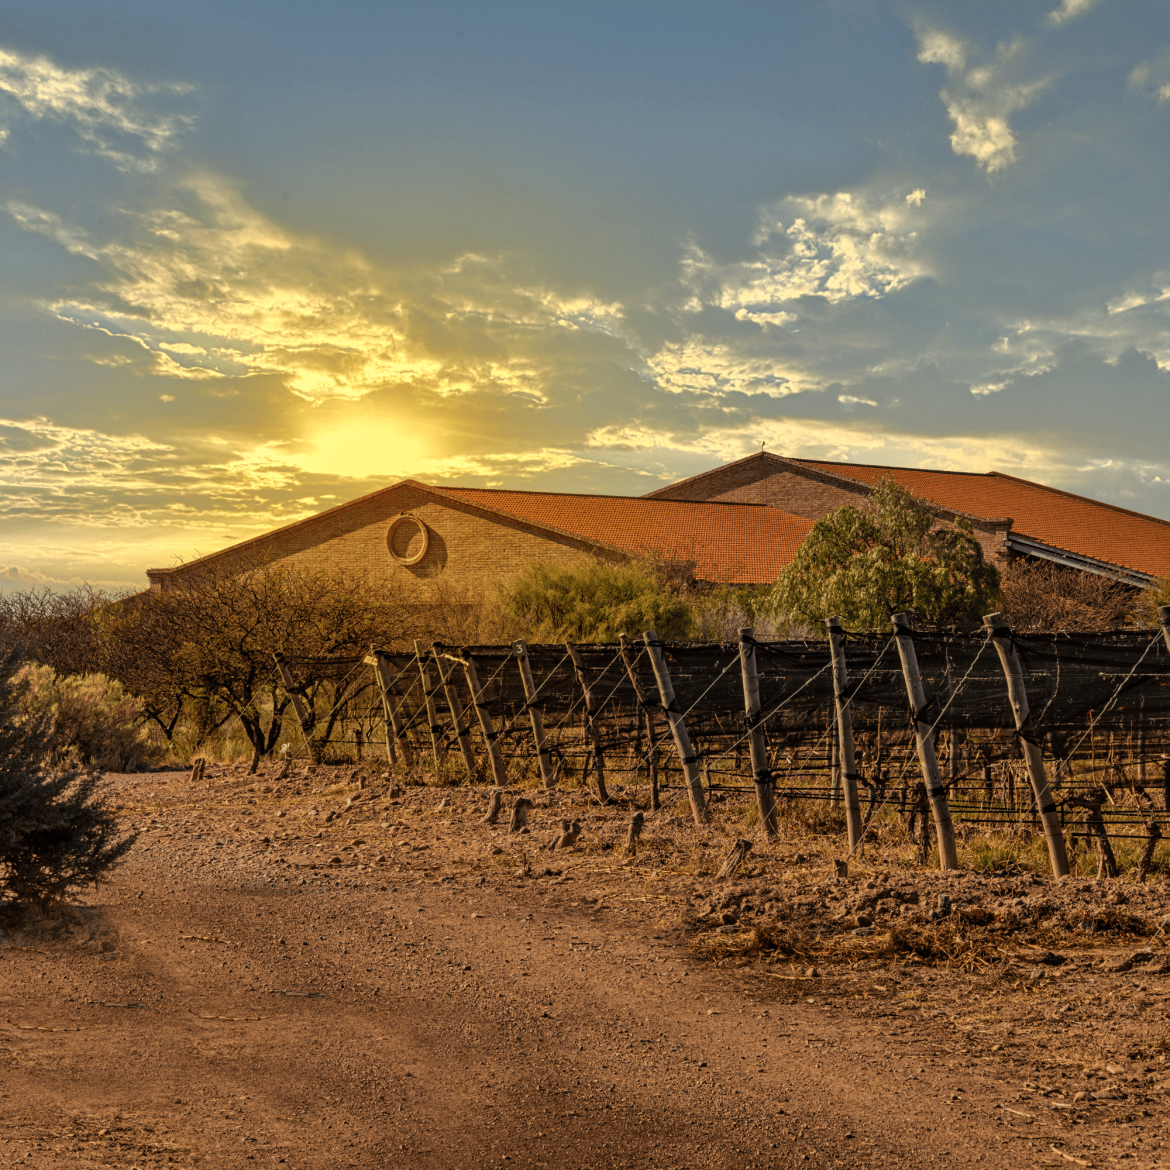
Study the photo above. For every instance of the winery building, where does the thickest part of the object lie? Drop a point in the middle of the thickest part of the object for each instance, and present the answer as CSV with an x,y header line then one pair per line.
x,y
738,524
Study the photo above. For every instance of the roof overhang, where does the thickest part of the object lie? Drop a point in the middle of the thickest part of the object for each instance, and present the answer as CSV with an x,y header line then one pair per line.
x,y
1026,546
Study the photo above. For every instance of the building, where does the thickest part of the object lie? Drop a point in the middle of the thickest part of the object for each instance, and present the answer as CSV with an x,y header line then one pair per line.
x,y
1011,517
739,524
468,536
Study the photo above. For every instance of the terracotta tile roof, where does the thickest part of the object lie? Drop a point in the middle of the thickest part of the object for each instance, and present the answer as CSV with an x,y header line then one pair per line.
x,y
741,544
1072,523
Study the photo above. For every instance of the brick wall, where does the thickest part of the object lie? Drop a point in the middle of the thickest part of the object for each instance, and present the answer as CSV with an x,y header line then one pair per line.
x,y
463,548
802,495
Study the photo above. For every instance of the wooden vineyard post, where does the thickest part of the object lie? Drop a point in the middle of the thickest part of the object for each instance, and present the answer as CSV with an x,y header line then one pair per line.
x,y
298,706
453,705
395,733
678,728
948,857
847,758
535,714
436,728
757,746
499,771
590,722
1001,639
651,731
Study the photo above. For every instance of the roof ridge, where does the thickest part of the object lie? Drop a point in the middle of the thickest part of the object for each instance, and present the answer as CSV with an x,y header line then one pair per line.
x,y
897,467
602,496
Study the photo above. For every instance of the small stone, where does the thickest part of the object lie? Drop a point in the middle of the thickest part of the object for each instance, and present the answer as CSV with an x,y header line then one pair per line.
x,y
727,918
335,860
811,973
1037,973
281,813
1083,1096
864,920
105,946
1018,902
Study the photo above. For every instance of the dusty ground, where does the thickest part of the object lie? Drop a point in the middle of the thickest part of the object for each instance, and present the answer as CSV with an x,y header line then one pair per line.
x,y
448,994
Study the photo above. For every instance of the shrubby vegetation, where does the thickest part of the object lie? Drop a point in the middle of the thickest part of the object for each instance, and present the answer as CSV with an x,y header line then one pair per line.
x,y
91,720
1040,595
56,834
864,563
595,602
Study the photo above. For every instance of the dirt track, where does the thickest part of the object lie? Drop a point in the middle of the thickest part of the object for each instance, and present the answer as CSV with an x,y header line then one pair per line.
x,y
445,1017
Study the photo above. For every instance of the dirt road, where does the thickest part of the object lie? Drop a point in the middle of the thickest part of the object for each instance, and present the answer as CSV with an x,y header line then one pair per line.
x,y
217,1005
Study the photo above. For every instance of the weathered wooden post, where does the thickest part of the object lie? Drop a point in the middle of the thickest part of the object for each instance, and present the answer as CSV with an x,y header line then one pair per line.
x,y
757,746
395,733
1001,639
299,707
651,732
456,709
847,757
491,738
948,857
424,675
535,714
590,722
678,729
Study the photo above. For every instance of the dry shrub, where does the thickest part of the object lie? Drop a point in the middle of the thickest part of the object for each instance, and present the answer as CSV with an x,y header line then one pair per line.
x,y
92,719
765,938
1040,595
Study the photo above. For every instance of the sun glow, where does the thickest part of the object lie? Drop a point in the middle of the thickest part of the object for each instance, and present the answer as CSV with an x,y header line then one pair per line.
x,y
388,449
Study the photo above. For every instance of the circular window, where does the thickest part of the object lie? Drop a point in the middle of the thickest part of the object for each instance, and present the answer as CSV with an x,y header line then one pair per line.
x,y
408,540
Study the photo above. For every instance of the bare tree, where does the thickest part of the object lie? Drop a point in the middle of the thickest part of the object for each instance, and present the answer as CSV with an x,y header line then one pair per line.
x,y
207,641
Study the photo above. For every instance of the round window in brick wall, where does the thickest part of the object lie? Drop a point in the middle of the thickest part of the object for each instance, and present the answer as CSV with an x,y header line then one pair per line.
x,y
408,540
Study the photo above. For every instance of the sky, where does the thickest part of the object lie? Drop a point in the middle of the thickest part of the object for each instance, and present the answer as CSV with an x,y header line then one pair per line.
x,y
260,258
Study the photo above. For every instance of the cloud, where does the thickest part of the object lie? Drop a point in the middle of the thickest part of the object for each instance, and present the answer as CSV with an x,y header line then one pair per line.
x,y
837,247
981,99
1153,77
1069,10
108,111
211,289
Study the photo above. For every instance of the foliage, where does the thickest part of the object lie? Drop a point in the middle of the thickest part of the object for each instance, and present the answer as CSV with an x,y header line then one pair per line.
x,y
55,629
56,834
205,645
595,602
887,556
93,720
1039,595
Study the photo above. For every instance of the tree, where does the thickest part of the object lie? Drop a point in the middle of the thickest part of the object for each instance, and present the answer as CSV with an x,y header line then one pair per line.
x,y
208,640
595,601
56,834
886,556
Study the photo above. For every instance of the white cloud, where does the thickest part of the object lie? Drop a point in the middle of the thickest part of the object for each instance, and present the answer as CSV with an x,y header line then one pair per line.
x,y
981,99
940,48
1153,77
1069,10
838,247
714,369
106,109
217,290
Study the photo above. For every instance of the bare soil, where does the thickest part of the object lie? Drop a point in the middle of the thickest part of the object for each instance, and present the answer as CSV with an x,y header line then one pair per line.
x,y
295,977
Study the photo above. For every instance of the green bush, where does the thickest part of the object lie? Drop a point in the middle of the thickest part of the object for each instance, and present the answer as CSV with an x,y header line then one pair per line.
x,y
595,602
93,721
56,834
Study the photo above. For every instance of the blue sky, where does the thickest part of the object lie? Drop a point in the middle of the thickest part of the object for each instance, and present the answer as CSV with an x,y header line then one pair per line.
x,y
261,258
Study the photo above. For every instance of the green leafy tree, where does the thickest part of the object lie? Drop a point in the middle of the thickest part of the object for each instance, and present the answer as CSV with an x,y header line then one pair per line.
x,y
595,601
886,556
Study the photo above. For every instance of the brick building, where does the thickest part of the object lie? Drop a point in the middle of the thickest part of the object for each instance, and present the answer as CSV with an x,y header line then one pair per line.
x,y
412,531
741,523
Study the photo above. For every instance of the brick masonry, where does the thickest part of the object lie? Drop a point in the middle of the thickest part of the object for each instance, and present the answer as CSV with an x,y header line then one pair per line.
x,y
811,495
464,546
